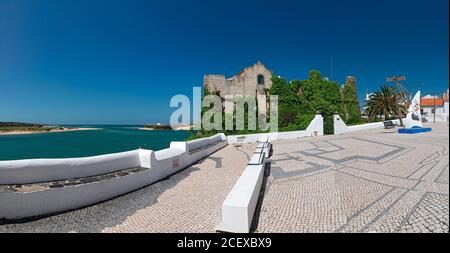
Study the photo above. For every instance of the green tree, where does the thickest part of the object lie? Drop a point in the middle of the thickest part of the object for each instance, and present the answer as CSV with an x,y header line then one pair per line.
x,y
350,104
384,102
300,100
323,96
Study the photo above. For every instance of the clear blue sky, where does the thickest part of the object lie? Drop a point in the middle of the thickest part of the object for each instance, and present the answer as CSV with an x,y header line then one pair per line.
x,y
120,62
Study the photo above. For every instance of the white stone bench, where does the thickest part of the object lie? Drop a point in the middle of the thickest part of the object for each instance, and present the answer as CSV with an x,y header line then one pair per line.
x,y
239,207
265,147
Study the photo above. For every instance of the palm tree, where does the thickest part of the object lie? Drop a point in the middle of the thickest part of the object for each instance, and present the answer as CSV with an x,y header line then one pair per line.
x,y
384,102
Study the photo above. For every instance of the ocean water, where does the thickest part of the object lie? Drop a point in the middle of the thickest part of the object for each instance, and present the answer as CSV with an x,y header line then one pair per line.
x,y
109,139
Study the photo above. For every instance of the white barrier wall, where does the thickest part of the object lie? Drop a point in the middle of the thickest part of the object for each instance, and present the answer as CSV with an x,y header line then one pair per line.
x,y
340,127
315,128
44,170
159,164
16,205
239,207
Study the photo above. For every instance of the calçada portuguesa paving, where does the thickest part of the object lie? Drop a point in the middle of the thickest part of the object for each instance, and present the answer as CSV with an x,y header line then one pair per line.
x,y
366,181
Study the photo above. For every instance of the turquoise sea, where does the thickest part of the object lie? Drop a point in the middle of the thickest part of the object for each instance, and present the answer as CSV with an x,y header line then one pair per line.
x,y
109,139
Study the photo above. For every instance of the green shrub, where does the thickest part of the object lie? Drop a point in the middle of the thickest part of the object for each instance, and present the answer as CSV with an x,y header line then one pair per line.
x,y
303,121
287,117
328,125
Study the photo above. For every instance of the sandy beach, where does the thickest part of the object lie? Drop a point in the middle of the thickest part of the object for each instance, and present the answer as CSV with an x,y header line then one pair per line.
x,y
51,131
152,129
147,129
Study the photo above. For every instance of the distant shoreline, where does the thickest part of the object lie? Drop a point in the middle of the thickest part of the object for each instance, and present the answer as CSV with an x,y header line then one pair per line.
x,y
179,128
152,129
49,131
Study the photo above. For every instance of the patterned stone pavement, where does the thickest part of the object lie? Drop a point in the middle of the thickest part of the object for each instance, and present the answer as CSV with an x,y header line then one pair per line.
x,y
366,181
189,201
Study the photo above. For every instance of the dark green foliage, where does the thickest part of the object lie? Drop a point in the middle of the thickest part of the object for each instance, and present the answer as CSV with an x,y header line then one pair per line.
x,y
315,75
350,104
158,127
287,116
328,124
323,96
17,126
303,121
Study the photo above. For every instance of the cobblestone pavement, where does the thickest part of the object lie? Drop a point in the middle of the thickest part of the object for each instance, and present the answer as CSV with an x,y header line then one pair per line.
x,y
189,201
365,181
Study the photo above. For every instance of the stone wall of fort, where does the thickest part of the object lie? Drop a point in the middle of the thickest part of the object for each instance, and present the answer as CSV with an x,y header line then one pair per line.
x,y
251,81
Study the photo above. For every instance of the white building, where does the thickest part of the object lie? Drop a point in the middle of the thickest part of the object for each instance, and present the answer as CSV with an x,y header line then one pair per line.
x,y
435,109
446,109
364,108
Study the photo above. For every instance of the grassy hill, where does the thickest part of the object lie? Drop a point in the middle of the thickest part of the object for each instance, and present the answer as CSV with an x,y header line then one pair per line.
x,y
19,126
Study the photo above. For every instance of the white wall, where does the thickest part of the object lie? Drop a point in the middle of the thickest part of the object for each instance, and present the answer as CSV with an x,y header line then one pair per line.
x,y
446,111
315,128
441,116
160,164
16,205
340,126
44,170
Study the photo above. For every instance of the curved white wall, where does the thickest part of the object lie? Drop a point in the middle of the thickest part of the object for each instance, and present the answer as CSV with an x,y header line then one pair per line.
x,y
44,170
159,164
199,143
340,126
16,205
315,128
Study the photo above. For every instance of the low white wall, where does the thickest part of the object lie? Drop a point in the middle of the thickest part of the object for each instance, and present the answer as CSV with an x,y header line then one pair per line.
x,y
239,207
44,170
16,205
340,127
199,143
160,164
315,128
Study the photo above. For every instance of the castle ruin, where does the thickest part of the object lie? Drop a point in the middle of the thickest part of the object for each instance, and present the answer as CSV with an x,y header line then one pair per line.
x,y
251,81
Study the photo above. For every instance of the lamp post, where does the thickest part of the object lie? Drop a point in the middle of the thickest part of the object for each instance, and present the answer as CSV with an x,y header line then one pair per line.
x,y
434,108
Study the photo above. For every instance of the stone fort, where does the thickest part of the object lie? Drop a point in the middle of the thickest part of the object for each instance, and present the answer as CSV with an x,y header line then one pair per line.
x,y
251,81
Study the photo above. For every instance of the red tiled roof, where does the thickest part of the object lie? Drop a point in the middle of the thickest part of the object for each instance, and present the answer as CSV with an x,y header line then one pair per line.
x,y
427,102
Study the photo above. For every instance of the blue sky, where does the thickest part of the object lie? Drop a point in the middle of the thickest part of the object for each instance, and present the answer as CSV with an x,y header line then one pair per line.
x,y
120,62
